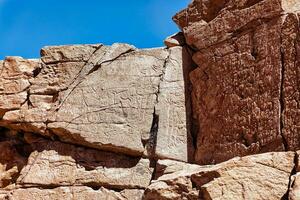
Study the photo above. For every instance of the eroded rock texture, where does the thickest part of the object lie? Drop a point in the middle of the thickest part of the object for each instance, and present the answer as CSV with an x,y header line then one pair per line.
x,y
102,97
119,123
264,176
92,116
245,90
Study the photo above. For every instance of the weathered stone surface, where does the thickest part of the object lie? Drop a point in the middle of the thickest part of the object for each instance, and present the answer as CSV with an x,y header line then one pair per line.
x,y
174,138
294,191
294,187
11,161
91,121
59,164
96,95
264,176
15,78
70,193
176,39
291,77
71,53
244,91
105,121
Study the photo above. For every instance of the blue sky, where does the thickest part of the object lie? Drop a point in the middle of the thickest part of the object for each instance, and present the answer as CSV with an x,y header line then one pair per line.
x,y
28,25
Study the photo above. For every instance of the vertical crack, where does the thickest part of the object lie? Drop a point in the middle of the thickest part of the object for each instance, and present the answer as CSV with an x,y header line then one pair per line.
x,y
281,98
152,141
291,183
151,145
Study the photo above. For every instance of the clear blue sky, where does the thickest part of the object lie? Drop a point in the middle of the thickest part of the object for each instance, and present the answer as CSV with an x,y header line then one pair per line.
x,y
28,25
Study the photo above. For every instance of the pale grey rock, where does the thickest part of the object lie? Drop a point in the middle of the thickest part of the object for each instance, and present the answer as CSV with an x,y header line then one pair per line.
x,y
174,137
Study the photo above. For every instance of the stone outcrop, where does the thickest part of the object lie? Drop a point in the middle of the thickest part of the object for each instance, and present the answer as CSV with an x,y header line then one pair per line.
x,y
97,96
90,121
264,176
213,115
245,89
70,193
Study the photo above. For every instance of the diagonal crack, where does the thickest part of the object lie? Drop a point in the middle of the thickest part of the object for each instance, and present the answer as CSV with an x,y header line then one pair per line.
x,y
91,66
98,65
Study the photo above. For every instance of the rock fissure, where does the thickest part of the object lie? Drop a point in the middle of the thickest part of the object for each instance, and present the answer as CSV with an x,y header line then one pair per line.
x,y
116,122
281,100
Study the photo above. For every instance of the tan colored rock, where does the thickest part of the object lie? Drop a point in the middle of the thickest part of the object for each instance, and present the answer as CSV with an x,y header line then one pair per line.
x,y
244,90
59,164
71,53
174,40
69,193
264,176
104,122
96,95
294,190
15,76
174,138
294,187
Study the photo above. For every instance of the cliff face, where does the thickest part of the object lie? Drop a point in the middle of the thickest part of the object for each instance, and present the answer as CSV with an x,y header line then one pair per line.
x,y
245,89
115,122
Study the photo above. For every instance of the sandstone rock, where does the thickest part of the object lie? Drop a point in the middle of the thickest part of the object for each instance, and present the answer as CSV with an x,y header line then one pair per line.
x,y
96,95
58,164
14,81
264,176
104,122
174,138
244,95
294,187
70,193
176,39
71,53
12,159
291,90
294,191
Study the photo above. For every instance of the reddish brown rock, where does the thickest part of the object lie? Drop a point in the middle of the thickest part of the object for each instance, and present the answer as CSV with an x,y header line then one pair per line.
x,y
290,81
244,90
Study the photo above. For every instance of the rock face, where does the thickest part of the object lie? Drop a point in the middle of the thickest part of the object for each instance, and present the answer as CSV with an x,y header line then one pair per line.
x,y
215,115
97,96
266,174
92,116
245,91
70,193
